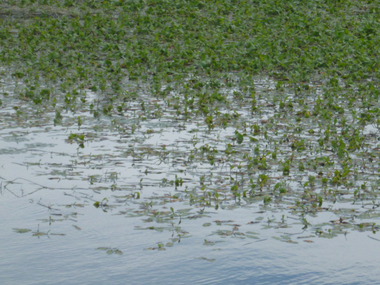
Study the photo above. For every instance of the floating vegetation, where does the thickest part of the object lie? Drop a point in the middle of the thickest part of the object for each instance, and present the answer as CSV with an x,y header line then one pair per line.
x,y
176,112
21,231
207,259
110,250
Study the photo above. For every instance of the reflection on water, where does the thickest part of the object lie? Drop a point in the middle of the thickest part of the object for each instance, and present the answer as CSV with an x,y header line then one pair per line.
x,y
73,258
124,204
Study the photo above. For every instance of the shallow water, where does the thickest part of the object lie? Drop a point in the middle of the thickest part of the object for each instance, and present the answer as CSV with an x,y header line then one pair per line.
x,y
113,211
73,259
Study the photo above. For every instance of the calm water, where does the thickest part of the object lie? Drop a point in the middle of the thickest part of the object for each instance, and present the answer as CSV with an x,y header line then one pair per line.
x,y
145,231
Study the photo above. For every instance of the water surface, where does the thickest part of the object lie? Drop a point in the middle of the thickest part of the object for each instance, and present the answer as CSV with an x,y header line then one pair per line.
x,y
129,203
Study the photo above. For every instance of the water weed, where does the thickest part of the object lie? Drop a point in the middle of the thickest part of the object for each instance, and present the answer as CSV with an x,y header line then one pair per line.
x,y
219,105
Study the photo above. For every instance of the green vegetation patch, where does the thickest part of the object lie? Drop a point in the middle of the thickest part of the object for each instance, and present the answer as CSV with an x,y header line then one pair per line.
x,y
275,103
97,44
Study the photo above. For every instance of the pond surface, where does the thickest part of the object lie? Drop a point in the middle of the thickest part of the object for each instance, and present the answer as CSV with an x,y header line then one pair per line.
x,y
151,197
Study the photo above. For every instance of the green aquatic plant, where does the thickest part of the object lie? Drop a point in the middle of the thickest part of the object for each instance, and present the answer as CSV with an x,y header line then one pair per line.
x,y
286,167
78,138
110,250
274,103
21,231
58,118
239,137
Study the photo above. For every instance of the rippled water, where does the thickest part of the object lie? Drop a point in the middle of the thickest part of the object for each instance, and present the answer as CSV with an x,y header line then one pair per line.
x,y
144,230
72,259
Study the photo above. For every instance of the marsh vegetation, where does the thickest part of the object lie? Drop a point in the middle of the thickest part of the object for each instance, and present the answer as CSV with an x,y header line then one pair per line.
x,y
221,120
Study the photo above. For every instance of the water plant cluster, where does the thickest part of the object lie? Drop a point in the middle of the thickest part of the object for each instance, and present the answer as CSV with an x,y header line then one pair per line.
x,y
267,105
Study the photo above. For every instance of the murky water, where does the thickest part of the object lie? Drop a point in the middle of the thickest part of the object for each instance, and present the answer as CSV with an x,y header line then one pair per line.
x,y
132,199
